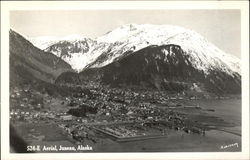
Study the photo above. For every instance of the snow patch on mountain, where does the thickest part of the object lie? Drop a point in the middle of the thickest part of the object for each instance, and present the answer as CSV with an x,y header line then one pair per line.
x,y
78,53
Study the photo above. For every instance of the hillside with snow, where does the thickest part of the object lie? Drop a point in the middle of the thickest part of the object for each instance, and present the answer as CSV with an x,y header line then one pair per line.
x,y
81,52
158,56
76,50
131,38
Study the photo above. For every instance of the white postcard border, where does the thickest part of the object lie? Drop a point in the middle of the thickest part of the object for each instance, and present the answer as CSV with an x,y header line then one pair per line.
x,y
106,5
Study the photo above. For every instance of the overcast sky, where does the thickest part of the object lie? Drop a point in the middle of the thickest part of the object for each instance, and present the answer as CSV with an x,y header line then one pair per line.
x,y
221,27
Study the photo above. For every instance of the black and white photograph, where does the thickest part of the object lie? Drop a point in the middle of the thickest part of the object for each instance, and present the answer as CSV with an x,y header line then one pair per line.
x,y
125,80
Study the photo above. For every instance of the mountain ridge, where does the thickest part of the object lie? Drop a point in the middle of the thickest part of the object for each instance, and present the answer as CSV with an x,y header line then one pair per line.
x,y
130,38
33,61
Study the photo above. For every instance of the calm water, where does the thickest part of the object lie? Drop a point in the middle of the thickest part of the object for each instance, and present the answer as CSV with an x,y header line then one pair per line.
x,y
229,110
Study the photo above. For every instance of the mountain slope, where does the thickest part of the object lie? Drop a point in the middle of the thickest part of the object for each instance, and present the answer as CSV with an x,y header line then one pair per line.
x,y
28,62
76,50
151,67
78,53
158,56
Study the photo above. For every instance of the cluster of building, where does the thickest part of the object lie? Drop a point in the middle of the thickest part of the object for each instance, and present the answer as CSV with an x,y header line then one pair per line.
x,y
112,106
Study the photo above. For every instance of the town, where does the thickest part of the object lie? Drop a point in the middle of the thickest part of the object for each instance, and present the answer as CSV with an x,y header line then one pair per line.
x,y
122,115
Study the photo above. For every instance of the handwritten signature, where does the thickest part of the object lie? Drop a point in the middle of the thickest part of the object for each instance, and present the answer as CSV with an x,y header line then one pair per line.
x,y
229,145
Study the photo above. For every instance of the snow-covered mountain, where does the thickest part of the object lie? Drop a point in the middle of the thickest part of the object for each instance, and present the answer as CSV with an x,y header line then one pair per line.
x,y
78,53
76,50
130,38
83,53
151,67
159,56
